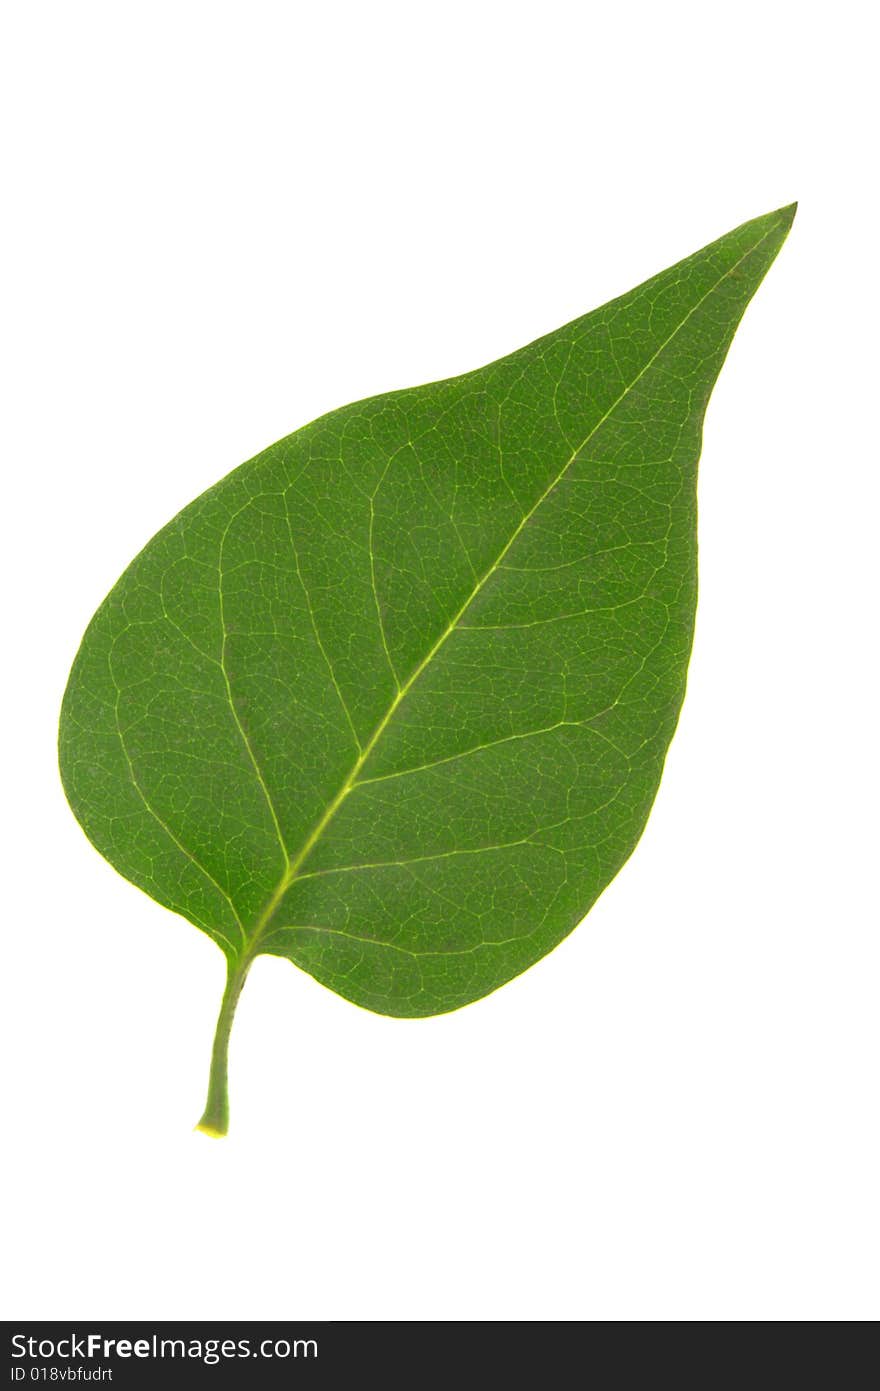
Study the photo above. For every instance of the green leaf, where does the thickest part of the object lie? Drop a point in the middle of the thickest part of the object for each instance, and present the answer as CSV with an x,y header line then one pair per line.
x,y
392,700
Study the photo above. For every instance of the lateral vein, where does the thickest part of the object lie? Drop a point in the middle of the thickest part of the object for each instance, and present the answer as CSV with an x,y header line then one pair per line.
x,y
240,727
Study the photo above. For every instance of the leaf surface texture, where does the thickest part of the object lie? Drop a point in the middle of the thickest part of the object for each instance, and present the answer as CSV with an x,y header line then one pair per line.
x,y
392,699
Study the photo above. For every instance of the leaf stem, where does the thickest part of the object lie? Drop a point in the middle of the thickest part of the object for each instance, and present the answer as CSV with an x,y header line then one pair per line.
x,y
215,1119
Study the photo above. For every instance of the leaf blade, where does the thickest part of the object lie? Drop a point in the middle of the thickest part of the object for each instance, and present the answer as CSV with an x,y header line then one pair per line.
x,y
392,700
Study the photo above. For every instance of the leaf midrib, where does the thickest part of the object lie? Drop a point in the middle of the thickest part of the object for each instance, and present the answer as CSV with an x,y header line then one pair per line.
x,y
295,863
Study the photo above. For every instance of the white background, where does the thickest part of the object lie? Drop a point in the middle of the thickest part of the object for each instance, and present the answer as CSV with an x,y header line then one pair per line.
x,y
222,220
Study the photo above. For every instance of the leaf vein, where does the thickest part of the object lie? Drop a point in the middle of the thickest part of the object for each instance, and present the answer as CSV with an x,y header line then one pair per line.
x,y
333,807
239,726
